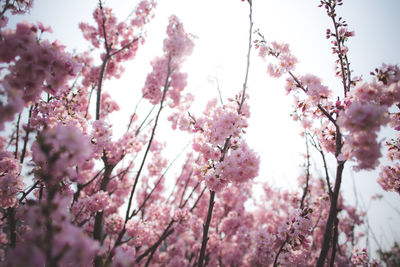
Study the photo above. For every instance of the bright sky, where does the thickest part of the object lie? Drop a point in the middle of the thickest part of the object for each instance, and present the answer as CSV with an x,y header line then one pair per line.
x,y
220,53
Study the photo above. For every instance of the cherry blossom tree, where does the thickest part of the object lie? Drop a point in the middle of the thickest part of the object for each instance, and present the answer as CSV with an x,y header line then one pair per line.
x,y
74,194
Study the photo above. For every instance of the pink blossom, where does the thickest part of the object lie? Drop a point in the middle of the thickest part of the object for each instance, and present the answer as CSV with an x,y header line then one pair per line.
x,y
389,178
155,80
101,135
98,201
240,164
107,105
139,231
364,148
177,46
363,117
359,258
81,249
285,61
124,256
10,186
315,89
57,150
363,120
33,66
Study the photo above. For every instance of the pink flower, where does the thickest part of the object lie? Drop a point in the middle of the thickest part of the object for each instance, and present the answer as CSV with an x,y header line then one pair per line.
x,y
389,178
98,201
360,116
363,147
57,150
315,89
124,256
10,186
78,248
240,165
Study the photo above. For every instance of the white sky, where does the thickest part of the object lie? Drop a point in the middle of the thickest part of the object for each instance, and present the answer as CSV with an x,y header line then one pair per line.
x,y
220,52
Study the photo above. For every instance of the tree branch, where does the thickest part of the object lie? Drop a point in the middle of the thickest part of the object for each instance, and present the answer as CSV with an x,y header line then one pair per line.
x,y
17,136
127,216
307,175
26,138
205,229
279,252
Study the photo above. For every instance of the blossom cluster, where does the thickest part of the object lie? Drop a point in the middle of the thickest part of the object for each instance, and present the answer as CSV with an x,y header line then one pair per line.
x,y
361,258
285,59
365,111
11,182
59,149
166,73
389,175
120,38
34,66
288,244
339,35
226,155
69,244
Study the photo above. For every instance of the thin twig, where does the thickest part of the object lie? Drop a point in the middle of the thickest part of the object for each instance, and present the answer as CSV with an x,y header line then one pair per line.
x,y
166,233
190,195
26,138
125,47
342,67
317,146
198,199
219,92
143,122
25,194
177,181
279,252
17,136
305,191
82,186
88,104
248,56
166,85
185,187
155,246
158,182
134,113
323,110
